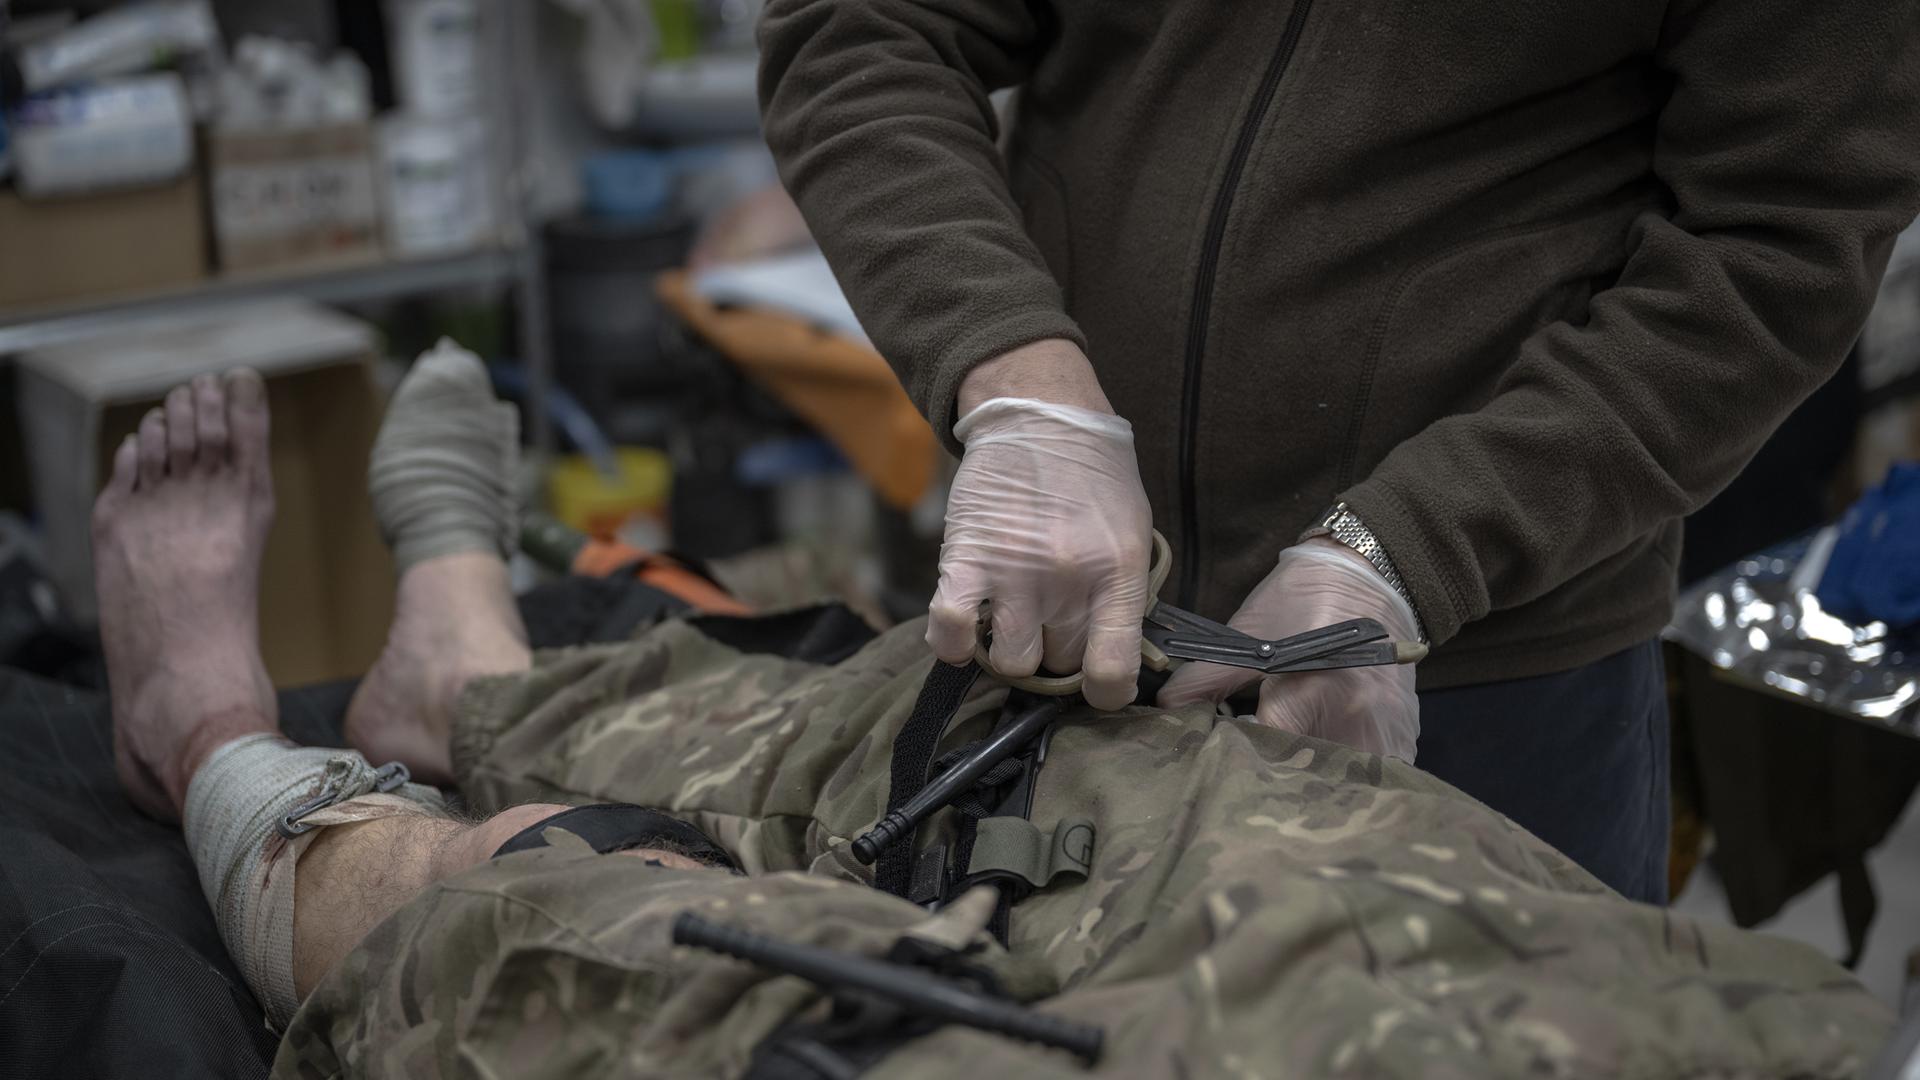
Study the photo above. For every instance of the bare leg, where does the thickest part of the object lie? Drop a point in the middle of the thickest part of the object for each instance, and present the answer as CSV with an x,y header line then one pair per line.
x,y
177,539
178,536
454,620
440,482
355,876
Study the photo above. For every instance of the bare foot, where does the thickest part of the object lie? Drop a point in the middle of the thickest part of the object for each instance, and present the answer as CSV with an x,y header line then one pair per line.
x,y
454,620
177,539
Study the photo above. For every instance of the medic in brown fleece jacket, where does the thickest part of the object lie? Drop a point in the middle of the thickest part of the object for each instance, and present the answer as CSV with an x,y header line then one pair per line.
x,y
1521,281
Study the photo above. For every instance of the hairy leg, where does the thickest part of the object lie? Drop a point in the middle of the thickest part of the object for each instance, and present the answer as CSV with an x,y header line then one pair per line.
x,y
354,876
441,482
178,534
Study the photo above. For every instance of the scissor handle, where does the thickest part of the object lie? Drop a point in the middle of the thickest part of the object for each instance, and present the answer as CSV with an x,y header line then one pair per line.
x,y
1160,566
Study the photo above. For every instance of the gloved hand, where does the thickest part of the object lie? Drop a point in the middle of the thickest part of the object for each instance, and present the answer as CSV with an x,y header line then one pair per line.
x,y
1047,519
1318,583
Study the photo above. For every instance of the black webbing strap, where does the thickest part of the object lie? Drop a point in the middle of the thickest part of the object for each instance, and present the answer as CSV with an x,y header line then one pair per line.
x,y
973,806
940,697
1001,922
984,800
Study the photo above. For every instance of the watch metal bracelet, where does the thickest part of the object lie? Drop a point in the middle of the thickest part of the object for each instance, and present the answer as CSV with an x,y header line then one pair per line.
x,y
1345,526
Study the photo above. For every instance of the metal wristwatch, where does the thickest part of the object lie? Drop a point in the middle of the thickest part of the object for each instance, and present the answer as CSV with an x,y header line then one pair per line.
x,y
1342,524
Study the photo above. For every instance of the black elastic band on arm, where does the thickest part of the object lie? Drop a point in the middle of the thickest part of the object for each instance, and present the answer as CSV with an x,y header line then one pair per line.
x,y
610,827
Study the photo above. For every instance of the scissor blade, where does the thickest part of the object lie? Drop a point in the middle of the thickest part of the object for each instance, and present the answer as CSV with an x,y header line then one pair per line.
x,y
1240,650
1167,619
1301,648
1372,654
1243,654
1182,634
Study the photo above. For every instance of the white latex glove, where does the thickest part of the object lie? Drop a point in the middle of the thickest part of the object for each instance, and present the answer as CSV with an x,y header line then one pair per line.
x,y
1315,584
1047,519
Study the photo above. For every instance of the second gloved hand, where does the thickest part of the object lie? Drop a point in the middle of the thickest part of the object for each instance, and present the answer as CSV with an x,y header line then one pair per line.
x,y
1048,520
1314,584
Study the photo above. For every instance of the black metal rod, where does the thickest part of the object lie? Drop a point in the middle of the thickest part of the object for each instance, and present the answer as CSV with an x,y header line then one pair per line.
x,y
899,824
917,991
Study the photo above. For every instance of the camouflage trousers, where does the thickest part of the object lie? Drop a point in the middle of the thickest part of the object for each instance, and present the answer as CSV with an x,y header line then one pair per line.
x,y
1258,904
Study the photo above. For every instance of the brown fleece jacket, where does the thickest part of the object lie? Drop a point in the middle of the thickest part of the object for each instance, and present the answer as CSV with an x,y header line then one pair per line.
x,y
1524,281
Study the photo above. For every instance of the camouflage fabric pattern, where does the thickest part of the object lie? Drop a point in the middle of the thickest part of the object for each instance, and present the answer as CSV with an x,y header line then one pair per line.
x,y
1259,904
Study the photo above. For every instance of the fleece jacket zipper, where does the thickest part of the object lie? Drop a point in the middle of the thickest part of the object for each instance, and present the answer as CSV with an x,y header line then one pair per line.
x,y
1203,299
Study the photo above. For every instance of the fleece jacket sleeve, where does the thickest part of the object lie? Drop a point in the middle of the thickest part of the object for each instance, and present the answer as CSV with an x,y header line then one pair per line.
x,y
1791,145
878,114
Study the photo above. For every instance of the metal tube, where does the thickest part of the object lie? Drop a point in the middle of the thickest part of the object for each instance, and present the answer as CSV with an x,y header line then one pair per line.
x,y
1003,744
917,991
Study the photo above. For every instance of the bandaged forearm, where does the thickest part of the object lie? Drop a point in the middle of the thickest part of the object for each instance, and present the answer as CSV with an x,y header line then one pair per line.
x,y
246,848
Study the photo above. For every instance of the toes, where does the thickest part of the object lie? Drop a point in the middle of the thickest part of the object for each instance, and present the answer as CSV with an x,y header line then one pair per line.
x,y
210,421
247,424
153,448
181,440
126,465
126,458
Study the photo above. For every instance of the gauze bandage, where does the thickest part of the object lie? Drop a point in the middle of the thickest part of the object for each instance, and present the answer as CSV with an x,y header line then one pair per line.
x,y
251,811
442,469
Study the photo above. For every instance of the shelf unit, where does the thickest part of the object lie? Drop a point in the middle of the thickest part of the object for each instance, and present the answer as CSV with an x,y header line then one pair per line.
x,y
517,265
40,327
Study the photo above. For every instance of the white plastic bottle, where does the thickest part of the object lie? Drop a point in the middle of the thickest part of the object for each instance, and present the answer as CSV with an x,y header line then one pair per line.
x,y
437,55
436,189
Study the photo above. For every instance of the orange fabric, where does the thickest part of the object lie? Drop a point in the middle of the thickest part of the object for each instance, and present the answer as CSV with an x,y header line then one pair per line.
x,y
601,558
841,387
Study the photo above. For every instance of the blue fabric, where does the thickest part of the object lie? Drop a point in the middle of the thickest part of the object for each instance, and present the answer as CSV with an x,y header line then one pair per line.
x,y
1874,572
1580,758
628,185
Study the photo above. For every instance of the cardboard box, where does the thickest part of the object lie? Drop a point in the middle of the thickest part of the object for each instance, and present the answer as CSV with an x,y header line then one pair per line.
x,y
293,198
326,587
90,247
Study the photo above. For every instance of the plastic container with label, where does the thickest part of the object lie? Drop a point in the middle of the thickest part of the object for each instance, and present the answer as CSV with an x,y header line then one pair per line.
x,y
121,41
436,193
113,134
437,55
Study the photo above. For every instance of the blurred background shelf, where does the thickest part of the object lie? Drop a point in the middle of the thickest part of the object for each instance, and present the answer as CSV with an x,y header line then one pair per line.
x,y
358,282
506,259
